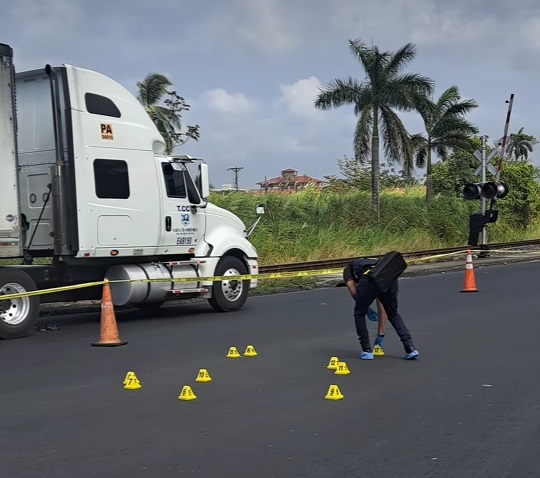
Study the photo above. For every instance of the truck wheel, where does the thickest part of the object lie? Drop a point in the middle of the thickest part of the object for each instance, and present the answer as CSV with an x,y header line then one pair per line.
x,y
231,294
19,315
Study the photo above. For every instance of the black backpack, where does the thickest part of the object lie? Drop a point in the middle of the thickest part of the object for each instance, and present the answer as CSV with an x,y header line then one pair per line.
x,y
387,270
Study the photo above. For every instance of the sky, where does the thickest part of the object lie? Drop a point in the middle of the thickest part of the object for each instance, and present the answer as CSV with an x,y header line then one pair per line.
x,y
251,69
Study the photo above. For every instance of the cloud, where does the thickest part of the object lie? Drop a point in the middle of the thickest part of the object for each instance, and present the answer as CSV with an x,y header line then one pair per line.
x,y
261,24
279,134
45,19
530,34
33,27
298,98
251,69
226,103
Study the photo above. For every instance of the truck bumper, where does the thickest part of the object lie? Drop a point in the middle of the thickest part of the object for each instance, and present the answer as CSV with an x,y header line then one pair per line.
x,y
253,269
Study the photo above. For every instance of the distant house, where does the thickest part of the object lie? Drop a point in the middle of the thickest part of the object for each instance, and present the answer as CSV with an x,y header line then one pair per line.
x,y
289,180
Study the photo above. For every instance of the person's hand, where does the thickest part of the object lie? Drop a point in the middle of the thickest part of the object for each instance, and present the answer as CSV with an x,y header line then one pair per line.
x,y
379,340
372,315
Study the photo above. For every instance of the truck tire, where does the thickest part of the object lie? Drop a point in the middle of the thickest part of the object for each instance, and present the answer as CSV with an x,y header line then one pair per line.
x,y
231,294
17,316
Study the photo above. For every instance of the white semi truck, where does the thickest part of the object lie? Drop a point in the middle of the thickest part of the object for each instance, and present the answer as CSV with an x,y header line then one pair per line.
x,y
85,183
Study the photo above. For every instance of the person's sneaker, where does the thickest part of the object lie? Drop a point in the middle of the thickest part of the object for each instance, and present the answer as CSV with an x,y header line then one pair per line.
x,y
366,356
412,355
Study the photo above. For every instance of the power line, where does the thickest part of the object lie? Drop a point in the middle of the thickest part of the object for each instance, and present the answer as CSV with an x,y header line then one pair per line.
x,y
236,169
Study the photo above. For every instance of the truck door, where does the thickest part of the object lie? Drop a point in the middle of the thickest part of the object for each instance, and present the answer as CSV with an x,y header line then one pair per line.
x,y
183,223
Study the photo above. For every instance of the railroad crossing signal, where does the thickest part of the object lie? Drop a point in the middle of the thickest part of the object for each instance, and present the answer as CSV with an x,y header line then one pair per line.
x,y
489,189
478,155
484,190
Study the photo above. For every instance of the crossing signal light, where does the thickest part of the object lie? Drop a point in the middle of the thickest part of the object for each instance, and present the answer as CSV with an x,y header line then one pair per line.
x,y
471,191
489,190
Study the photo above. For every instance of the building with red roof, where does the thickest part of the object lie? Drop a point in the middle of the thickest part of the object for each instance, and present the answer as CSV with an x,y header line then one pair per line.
x,y
289,180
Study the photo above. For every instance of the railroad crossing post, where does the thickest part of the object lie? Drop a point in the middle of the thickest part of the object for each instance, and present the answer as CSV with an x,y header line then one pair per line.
x,y
483,190
484,166
484,249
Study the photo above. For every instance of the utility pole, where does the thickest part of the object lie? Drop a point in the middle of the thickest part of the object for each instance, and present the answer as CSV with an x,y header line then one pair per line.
x,y
235,169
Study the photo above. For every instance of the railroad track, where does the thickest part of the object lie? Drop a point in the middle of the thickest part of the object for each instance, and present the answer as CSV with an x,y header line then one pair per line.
x,y
338,263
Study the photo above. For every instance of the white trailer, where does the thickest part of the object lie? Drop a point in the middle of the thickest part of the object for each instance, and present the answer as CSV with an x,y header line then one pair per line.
x,y
85,183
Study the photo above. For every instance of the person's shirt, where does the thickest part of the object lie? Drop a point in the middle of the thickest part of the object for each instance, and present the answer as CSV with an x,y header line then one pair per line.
x,y
354,269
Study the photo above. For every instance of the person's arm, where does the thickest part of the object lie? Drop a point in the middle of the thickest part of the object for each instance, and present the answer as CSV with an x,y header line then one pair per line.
x,y
348,278
382,319
352,288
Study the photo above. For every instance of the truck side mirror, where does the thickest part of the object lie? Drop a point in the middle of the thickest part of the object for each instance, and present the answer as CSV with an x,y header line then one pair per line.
x,y
205,182
260,211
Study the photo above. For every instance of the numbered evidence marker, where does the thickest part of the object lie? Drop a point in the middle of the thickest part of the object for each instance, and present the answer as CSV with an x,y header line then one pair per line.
x,y
334,393
250,351
203,376
131,382
342,369
127,377
378,351
233,353
186,394
333,364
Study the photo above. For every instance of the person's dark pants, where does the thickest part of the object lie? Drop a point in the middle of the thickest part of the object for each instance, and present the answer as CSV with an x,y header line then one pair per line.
x,y
366,293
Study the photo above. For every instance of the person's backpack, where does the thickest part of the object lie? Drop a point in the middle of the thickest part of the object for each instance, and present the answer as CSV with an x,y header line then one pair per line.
x,y
387,270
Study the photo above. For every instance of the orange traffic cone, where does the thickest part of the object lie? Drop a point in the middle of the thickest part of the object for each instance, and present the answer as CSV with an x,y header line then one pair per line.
x,y
108,336
469,283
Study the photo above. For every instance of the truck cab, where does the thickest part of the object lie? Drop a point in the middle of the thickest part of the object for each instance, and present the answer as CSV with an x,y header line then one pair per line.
x,y
86,183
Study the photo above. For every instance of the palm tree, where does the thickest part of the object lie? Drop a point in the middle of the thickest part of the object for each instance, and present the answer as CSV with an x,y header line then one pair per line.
x,y
520,145
384,89
166,118
446,130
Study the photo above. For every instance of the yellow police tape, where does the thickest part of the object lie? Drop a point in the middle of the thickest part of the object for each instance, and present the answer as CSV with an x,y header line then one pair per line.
x,y
270,275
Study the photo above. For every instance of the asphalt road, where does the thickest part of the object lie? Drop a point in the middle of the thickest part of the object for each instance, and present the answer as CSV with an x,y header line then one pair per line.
x,y
468,407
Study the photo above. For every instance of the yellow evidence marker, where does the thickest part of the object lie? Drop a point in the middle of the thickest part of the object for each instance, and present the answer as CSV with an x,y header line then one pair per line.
x,y
334,393
131,382
342,369
333,363
186,394
203,376
233,353
250,351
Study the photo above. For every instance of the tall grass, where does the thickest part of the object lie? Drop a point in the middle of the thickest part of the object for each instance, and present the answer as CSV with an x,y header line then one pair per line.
x,y
311,224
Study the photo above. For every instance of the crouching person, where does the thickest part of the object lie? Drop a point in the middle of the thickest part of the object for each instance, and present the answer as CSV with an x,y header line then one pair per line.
x,y
382,284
